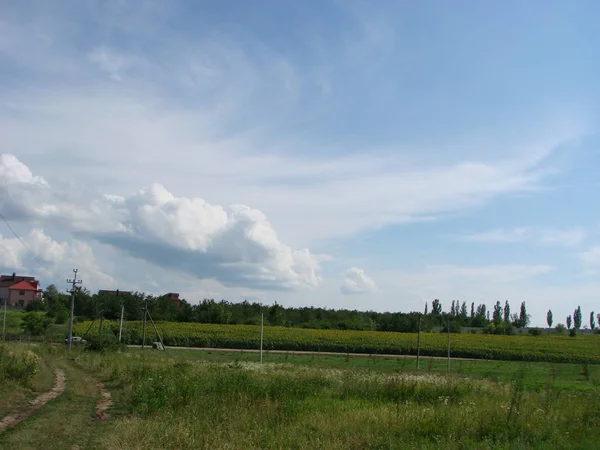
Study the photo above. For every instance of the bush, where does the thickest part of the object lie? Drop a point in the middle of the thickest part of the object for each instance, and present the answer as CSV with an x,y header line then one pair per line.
x,y
35,323
560,329
106,341
501,328
454,327
61,316
535,331
572,332
34,306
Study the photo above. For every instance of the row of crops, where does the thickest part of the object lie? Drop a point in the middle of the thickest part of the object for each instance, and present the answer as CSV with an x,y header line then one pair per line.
x,y
521,347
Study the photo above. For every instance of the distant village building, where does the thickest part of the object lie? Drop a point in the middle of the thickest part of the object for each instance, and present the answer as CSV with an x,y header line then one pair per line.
x,y
19,291
117,292
174,297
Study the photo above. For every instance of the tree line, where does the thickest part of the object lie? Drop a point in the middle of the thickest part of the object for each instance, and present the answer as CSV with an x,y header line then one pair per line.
x,y
574,321
498,320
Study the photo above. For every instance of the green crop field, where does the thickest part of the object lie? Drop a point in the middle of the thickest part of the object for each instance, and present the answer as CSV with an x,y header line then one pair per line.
x,y
582,348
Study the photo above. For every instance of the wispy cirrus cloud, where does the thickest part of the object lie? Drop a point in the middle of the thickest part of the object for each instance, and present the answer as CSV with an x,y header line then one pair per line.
x,y
566,237
590,257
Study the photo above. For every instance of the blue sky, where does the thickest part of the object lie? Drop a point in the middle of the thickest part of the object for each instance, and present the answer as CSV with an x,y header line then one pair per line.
x,y
337,153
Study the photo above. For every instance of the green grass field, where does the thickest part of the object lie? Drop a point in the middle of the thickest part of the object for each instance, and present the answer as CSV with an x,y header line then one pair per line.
x,y
569,377
56,332
189,399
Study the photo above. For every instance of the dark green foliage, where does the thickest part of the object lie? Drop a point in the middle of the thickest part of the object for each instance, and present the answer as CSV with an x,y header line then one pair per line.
x,y
35,323
454,327
535,331
523,319
506,312
463,311
35,306
497,316
560,328
592,320
549,319
61,316
573,332
569,322
577,318
102,342
498,328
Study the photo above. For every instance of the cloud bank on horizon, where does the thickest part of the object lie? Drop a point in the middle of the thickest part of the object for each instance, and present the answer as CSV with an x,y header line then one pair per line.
x,y
338,154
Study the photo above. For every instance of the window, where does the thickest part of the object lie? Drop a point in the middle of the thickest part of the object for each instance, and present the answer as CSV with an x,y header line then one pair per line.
x,y
21,292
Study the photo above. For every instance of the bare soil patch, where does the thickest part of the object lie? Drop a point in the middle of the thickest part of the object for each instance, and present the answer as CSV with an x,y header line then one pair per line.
x,y
104,404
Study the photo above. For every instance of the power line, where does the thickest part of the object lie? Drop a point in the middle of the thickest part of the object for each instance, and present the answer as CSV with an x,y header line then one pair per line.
x,y
18,238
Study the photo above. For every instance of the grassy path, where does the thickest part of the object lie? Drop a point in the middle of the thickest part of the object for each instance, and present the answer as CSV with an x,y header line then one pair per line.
x,y
68,422
37,403
14,397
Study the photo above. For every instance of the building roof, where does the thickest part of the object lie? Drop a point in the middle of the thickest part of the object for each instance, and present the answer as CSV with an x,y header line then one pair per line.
x,y
24,286
115,292
9,280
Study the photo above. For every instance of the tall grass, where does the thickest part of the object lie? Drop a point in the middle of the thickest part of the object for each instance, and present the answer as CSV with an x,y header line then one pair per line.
x,y
180,404
18,364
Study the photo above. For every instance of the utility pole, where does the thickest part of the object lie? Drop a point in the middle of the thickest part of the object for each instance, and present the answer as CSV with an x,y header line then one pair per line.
x,y
144,323
262,322
74,282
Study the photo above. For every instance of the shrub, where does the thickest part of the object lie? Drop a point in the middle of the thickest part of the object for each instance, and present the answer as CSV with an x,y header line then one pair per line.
x,y
35,323
535,331
560,329
61,316
501,328
102,342
572,332
34,306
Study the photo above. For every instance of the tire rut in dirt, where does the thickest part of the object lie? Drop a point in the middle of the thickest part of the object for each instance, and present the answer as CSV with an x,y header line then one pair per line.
x,y
104,404
37,403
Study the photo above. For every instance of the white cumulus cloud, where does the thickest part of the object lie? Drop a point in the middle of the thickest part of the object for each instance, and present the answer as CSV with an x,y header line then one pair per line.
x,y
356,281
236,245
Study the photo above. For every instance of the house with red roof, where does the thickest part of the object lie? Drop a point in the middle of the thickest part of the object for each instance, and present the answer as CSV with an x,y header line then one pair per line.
x,y
19,291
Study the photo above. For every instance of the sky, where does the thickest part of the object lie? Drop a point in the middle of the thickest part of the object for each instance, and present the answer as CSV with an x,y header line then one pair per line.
x,y
342,154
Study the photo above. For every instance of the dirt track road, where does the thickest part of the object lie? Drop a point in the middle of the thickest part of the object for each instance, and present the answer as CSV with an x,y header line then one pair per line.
x,y
37,403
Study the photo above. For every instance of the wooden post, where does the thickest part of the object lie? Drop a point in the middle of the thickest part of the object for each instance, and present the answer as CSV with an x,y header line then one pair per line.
x,y
144,324
121,325
448,326
419,342
4,320
262,319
